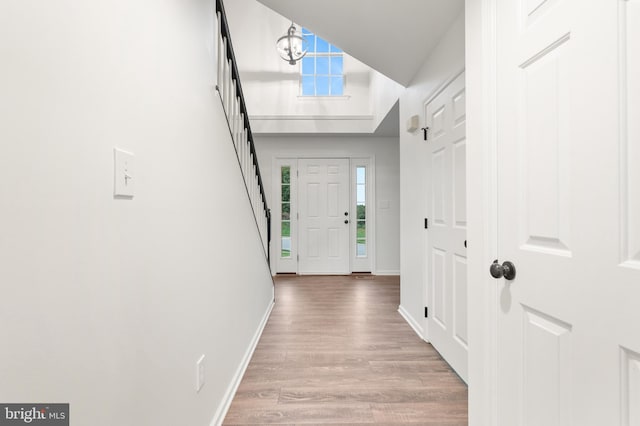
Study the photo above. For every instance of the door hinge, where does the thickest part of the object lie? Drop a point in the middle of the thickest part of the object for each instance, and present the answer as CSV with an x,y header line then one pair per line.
x,y
298,257
426,312
297,172
425,130
426,223
297,215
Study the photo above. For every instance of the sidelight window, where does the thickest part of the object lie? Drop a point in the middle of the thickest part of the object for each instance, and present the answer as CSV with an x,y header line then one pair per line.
x,y
285,228
361,211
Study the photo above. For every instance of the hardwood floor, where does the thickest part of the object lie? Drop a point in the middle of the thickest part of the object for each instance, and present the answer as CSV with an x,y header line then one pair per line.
x,y
335,350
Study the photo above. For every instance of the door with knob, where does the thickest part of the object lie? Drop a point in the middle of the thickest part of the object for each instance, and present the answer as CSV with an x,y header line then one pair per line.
x,y
323,205
447,231
567,349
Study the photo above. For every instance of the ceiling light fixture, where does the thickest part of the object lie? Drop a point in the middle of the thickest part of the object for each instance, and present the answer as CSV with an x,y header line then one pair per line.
x,y
291,46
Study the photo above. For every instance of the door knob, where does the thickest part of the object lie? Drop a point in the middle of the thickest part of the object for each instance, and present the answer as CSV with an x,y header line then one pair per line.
x,y
506,270
346,221
346,213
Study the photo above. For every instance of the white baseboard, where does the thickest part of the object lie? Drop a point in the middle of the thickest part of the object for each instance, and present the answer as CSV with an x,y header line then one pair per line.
x,y
221,412
387,272
415,325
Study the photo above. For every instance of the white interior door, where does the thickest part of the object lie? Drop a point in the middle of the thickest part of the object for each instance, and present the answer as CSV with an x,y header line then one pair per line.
x,y
446,238
323,195
568,342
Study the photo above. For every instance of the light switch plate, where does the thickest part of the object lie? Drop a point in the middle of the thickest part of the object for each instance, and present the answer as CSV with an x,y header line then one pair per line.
x,y
124,182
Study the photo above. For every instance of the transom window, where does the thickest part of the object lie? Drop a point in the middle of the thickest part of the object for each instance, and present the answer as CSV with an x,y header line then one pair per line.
x,y
322,67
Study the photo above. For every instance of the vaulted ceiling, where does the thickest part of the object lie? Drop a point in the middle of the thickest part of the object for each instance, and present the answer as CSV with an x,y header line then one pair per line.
x,y
393,37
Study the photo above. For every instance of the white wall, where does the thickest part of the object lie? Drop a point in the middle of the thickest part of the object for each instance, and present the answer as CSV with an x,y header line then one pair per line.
x,y
446,61
107,303
272,86
387,169
384,95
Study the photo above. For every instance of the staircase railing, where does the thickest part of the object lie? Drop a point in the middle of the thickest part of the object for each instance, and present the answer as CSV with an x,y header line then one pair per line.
x,y
230,91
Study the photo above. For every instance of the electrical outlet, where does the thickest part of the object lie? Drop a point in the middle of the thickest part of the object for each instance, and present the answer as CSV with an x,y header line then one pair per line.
x,y
200,373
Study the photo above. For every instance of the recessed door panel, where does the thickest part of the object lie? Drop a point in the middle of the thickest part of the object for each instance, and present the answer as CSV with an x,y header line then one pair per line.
x,y
460,299
459,107
460,183
312,191
544,153
333,199
313,242
630,379
438,183
333,238
438,271
547,370
437,123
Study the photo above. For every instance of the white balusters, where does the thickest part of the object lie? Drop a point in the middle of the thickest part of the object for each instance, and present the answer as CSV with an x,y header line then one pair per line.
x,y
234,110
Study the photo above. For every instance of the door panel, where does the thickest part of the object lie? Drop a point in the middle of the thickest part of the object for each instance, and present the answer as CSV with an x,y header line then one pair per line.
x,y
460,296
535,202
546,369
324,198
544,154
447,276
630,387
567,333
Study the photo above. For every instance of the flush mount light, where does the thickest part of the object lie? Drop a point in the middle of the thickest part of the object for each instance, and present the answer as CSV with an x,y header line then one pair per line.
x,y
291,46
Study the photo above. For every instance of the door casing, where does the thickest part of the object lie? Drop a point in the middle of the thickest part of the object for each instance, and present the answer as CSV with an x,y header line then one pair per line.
x,y
354,161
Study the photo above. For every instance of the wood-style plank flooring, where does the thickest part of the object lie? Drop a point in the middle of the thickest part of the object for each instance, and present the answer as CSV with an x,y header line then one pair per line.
x,y
336,351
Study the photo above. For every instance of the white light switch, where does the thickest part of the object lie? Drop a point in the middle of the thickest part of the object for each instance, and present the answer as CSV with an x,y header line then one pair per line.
x,y
124,176
200,373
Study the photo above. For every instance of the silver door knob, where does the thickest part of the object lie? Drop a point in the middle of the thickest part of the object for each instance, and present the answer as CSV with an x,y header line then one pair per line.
x,y
506,270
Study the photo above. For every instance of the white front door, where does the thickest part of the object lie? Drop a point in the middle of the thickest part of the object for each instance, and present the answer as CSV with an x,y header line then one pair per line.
x,y
446,237
323,203
568,325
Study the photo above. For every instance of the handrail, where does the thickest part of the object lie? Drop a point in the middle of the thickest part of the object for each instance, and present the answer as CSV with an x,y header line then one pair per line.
x,y
242,112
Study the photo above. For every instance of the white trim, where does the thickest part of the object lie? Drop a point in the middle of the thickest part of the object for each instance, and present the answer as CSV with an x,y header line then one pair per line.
x,y
326,98
224,405
389,272
415,325
434,93
482,208
289,158
312,117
